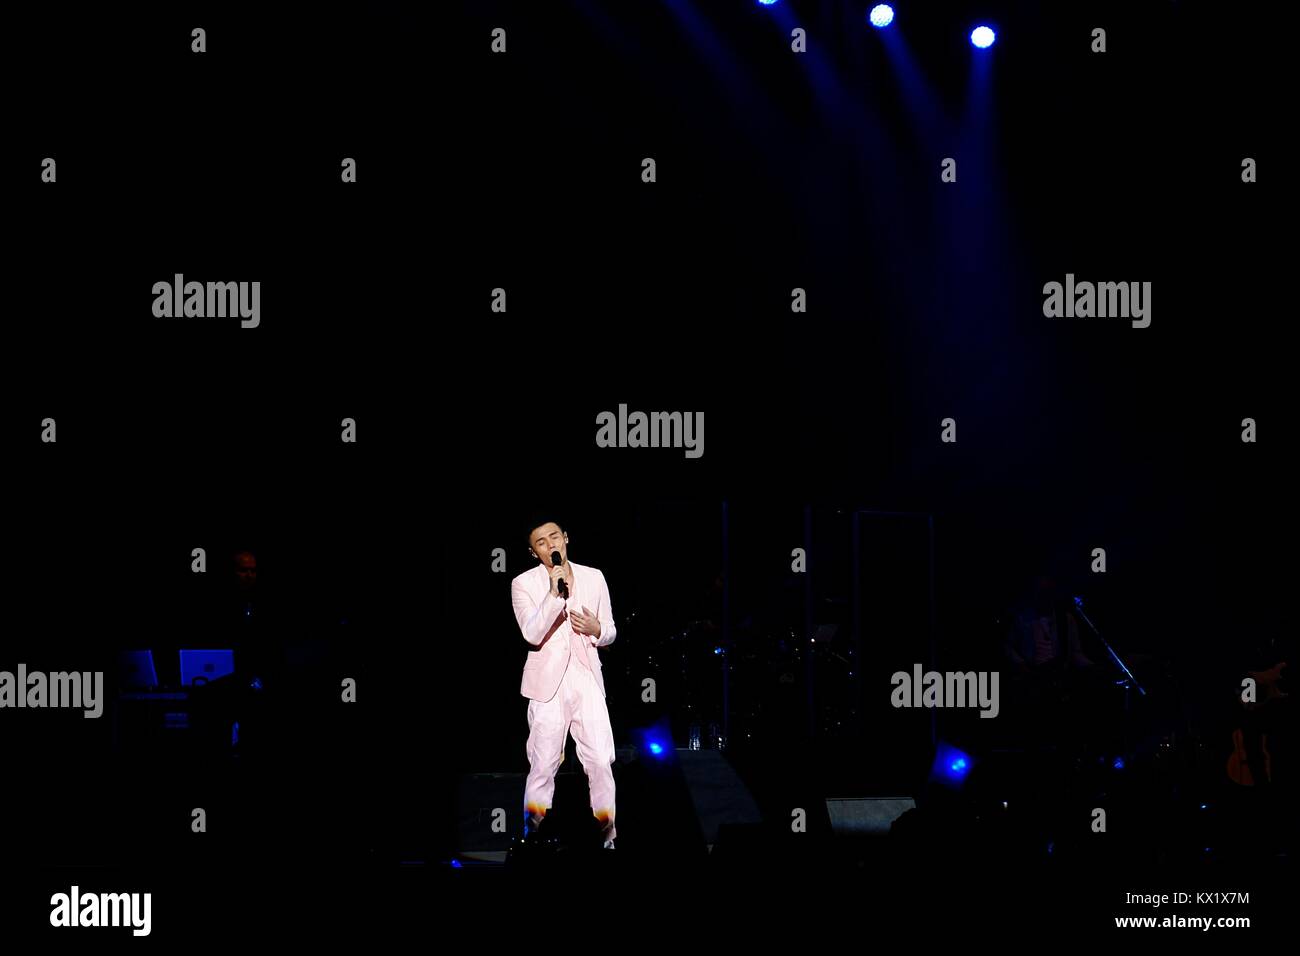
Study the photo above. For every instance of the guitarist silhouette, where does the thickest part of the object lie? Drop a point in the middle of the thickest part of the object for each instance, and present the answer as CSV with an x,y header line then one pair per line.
x,y
1261,692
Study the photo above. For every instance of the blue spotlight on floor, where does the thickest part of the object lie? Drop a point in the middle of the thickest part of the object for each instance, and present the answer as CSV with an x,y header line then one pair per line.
x,y
983,37
881,16
766,3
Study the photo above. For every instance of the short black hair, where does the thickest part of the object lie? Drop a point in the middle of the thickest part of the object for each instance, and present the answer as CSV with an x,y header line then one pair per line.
x,y
540,519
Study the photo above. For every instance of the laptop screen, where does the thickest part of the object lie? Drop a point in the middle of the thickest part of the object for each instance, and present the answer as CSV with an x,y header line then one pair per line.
x,y
202,667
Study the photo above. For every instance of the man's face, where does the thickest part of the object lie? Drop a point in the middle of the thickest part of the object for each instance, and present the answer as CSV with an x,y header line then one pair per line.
x,y
245,570
1045,594
547,538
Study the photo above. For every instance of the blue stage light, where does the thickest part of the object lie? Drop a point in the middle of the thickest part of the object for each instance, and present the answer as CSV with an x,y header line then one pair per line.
x,y
656,749
983,37
1119,763
766,3
881,16
951,765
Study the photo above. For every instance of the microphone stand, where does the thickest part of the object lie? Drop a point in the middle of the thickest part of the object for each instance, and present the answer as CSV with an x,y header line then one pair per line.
x,y
1129,682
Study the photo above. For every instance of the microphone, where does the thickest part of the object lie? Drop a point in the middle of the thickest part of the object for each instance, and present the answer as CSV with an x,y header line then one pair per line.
x,y
563,586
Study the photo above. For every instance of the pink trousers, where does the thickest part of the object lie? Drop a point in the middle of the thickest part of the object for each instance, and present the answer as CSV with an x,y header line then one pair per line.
x,y
578,707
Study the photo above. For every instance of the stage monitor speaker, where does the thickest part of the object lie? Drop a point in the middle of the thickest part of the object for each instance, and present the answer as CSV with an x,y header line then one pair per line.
x,y
866,816
719,795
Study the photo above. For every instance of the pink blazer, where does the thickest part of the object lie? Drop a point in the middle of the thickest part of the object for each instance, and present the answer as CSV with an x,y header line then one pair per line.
x,y
544,621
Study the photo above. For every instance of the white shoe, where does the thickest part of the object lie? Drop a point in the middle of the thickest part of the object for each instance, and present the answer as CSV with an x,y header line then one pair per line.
x,y
609,845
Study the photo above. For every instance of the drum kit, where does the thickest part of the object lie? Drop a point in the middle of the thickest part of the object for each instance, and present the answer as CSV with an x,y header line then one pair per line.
x,y
765,668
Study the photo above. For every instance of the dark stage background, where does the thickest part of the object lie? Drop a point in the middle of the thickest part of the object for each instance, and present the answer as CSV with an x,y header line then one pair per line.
x,y
522,171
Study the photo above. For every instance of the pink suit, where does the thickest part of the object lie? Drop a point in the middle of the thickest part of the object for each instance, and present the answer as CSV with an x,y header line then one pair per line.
x,y
566,689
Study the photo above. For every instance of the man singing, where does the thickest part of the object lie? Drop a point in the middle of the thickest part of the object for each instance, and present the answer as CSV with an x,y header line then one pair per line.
x,y
563,611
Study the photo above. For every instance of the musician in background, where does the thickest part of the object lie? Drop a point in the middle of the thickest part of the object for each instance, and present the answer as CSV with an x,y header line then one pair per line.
x,y
1044,633
1052,691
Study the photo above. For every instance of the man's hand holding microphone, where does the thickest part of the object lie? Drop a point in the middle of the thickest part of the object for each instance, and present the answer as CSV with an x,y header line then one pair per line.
x,y
583,622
